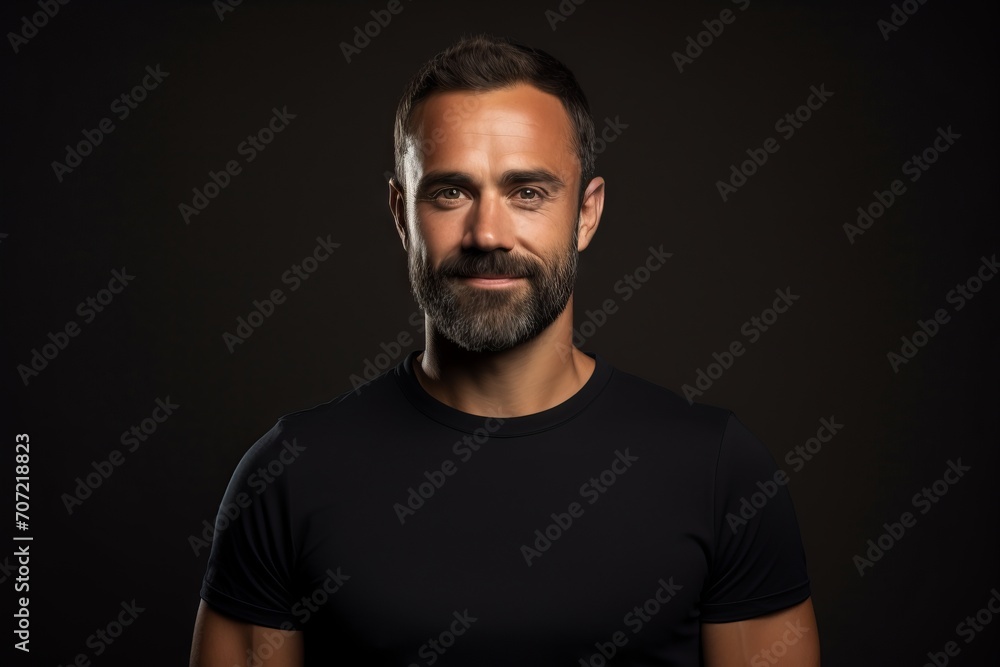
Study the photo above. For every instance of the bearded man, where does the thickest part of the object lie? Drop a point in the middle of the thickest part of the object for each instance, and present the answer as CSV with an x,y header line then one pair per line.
x,y
501,497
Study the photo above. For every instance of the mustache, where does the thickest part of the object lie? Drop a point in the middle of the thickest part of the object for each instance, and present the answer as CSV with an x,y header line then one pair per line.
x,y
495,262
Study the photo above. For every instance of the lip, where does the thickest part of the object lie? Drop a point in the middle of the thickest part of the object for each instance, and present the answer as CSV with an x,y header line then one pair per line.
x,y
491,280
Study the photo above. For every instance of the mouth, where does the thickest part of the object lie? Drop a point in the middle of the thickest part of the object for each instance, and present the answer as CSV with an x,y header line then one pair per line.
x,y
490,279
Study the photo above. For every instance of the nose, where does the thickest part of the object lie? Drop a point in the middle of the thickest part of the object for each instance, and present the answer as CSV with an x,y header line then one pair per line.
x,y
489,225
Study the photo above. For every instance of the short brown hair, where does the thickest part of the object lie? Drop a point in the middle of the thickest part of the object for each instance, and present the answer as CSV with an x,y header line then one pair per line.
x,y
486,62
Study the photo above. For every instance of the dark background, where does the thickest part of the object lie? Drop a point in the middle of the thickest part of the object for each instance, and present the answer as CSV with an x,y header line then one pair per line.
x,y
324,175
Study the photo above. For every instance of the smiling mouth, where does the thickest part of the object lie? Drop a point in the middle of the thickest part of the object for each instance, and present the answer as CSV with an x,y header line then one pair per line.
x,y
490,279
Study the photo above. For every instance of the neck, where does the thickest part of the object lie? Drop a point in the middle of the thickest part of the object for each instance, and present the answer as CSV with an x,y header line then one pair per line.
x,y
534,376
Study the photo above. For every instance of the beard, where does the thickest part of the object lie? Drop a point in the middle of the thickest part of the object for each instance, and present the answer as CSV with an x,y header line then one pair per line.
x,y
480,319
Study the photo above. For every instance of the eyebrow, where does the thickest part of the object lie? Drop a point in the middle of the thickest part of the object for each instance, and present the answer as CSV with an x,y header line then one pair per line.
x,y
511,177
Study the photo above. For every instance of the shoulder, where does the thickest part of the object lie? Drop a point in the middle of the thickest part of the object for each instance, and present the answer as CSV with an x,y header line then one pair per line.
x,y
635,397
347,415
364,398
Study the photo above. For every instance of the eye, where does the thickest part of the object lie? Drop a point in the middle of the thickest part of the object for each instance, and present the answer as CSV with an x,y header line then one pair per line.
x,y
449,193
530,198
448,197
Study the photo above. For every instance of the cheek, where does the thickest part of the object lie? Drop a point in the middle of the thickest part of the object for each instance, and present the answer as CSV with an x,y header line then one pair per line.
x,y
548,234
435,240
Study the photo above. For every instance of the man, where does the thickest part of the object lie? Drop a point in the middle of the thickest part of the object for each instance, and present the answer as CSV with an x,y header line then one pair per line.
x,y
501,497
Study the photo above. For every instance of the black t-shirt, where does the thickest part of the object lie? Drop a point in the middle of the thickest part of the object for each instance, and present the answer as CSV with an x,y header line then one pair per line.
x,y
396,530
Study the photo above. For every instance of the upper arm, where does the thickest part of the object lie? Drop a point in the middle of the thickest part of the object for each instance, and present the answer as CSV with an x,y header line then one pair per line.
x,y
764,640
756,561
221,641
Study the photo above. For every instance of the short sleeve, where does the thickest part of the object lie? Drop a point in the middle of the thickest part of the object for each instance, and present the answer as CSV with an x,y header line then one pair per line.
x,y
249,574
758,562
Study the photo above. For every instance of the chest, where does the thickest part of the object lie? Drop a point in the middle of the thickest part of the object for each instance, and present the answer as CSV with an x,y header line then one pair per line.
x,y
427,562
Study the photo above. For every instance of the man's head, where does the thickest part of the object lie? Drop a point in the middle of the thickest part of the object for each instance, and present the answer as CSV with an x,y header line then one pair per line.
x,y
493,194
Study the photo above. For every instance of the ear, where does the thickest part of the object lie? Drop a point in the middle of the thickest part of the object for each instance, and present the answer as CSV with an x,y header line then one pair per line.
x,y
590,212
397,205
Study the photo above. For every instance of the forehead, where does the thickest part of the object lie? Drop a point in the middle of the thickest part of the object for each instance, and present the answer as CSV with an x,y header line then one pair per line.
x,y
516,127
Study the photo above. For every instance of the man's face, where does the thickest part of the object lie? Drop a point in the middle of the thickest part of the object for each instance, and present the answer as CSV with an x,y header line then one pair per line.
x,y
491,183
